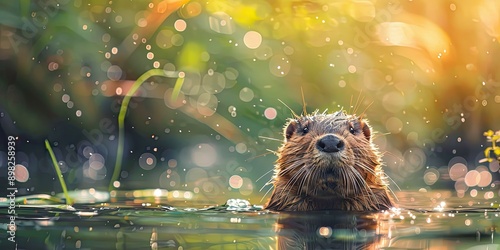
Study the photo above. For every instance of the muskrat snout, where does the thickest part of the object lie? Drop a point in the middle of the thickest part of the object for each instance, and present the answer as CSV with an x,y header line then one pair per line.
x,y
330,144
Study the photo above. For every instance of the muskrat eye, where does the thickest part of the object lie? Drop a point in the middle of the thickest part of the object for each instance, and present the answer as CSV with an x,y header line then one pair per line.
x,y
305,130
352,130
304,127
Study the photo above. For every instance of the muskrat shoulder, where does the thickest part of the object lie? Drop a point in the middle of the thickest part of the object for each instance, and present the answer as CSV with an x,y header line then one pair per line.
x,y
328,161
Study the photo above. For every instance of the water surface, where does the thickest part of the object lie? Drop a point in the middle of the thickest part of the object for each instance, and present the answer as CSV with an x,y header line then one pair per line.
x,y
426,222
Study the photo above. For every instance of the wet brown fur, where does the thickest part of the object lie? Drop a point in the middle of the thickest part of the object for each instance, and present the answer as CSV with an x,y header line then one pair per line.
x,y
308,179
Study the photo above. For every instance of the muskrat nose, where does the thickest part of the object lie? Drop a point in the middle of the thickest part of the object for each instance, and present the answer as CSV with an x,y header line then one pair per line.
x,y
330,144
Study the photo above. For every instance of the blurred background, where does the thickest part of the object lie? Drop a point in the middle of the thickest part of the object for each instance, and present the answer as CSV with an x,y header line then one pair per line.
x,y
425,74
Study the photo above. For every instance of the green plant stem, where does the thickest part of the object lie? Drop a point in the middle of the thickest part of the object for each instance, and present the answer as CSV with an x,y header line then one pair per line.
x,y
59,173
123,112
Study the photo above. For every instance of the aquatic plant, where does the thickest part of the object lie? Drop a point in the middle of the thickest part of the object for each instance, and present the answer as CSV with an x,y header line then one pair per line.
x,y
492,137
59,173
124,107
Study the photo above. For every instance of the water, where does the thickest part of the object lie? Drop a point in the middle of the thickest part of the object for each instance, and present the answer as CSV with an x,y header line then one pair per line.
x,y
426,222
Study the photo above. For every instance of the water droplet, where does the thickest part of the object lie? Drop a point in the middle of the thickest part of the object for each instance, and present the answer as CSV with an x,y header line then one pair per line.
x,y
207,104
279,65
177,40
147,161
431,176
164,39
453,7
472,178
393,102
342,83
231,73
169,102
351,69
65,98
288,50
221,22
246,94
241,148
235,181
142,22
270,113
394,125
106,37
180,25
114,72
213,82
325,232
252,39
21,173
53,66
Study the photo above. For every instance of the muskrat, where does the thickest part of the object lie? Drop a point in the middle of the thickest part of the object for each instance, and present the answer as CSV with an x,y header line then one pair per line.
x,y
328,161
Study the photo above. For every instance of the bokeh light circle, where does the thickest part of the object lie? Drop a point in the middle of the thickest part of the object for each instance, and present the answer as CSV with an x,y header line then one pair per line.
x,y
235,181
270,113
21,173
431,176
246,94
204,155
472,178
252,39
147,161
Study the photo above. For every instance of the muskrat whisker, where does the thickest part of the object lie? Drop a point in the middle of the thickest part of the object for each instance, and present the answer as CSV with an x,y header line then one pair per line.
x,y
384,176
360,182
295,178
301,177
378,134
364,111
271,151
358,101
392,154
292,179
304,104
348,182
291,110
270,138
261,155
305,182
392,192
392,180
265,184
269,190
262,176
350,104
366,168
291,166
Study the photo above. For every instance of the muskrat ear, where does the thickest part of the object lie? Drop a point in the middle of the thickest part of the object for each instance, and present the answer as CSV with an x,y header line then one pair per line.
x,y
291,127
367,130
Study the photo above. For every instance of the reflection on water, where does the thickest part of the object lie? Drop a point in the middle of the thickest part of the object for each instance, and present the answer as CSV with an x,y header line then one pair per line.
x,y
428,221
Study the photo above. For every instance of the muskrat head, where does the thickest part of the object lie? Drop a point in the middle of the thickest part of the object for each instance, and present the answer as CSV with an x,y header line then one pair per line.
x,y
328,155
